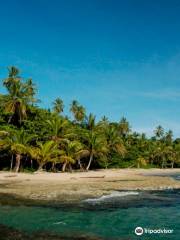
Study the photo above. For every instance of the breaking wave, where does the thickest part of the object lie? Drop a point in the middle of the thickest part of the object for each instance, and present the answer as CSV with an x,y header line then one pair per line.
x,y
113,195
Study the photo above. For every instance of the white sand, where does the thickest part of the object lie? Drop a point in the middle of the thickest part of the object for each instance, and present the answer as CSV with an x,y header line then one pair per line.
x,y
80,185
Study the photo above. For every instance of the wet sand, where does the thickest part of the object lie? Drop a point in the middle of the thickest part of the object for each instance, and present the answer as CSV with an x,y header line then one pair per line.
x,y
72,187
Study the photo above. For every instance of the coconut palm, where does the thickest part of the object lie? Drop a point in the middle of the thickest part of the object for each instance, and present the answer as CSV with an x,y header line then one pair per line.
x,y
18,143
78,111
141,162
3,136
114,142
74,105
80,114
58,128
13,77
90,121
30,89
58,106
19,95
104,121
163,154
95,144
168,137
73,151
169,156
123,127
59,131
44,153
159,132
176,155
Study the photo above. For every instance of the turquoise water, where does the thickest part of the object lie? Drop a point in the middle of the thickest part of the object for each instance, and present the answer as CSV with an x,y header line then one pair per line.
x,y
111,217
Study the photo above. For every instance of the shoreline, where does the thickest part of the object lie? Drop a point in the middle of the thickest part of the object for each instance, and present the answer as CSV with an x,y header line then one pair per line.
x,y
77,186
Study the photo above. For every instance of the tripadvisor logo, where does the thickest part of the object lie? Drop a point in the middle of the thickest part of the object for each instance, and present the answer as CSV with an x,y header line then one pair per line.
x,y
139,231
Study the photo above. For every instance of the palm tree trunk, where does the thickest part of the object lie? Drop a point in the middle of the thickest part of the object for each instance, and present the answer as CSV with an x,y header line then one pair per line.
x,y
90,161
10,118
64,167
80,165
11,163
18,162
53,168
151,161
40,168
162,166
70,167
31,163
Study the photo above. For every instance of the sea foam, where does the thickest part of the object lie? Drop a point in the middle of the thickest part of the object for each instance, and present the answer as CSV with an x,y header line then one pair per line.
x,y
114,194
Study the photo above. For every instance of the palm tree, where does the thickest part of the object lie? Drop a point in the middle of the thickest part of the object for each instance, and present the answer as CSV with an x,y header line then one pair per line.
x,y
58,128
90,122
44,153
73,106
73,150
13,77
18,143
96,145
159,132
169,137
104,119
141,162
123,127
80,114
58,106
78,111
163,154
30,89
176,154
3,136
103,123
168,155
114,142
20,95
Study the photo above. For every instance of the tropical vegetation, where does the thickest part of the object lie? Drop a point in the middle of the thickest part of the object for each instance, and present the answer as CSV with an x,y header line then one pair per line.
x,y
33,138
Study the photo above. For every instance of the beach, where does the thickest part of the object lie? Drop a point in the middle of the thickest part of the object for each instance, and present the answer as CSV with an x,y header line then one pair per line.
x,y
76,186
95,205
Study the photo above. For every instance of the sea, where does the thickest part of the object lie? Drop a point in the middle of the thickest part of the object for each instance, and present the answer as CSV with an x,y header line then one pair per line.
x,y
127,215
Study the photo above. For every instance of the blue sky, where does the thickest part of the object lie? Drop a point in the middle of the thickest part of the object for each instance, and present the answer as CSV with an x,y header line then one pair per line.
x,y
117,58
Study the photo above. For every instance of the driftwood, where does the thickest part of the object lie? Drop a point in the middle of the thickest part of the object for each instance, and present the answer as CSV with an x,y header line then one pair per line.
x,y
10,176
94,177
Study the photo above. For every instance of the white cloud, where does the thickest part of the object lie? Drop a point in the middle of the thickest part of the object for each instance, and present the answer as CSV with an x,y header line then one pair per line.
x,y
167,94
